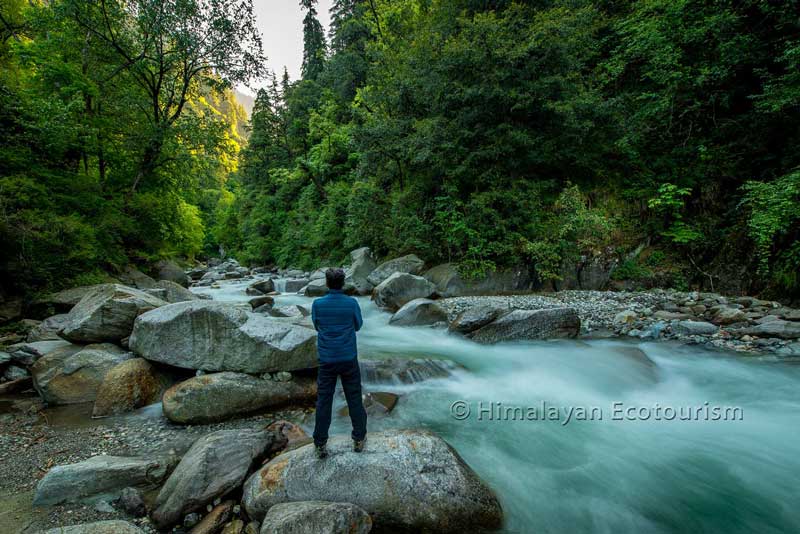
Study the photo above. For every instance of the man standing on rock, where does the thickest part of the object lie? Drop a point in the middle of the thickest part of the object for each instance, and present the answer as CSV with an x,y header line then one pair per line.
x,y
337,318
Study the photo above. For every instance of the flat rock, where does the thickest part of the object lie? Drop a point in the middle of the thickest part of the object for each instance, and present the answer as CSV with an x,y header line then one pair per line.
x,y
129,385
99,527
217,336
215,464
727,315
419,312
107,313
530,324
778,328
401,288
65,376
220,396
694,328
316,517
665,315
475,317
100,477
406,264
29,353
409,479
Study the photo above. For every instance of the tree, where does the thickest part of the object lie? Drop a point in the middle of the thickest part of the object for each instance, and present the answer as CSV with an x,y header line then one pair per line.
x,y
314,45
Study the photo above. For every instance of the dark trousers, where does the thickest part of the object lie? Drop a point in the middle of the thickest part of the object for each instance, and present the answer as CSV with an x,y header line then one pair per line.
x,y
350,375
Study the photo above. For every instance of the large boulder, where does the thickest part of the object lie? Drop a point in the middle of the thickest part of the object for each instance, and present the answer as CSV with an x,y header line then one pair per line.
x,y
406,479
99,527
315,288
129,385
361,266
777,328
728,315
174,292
133,277
216,464
405,370
100,477
410,264
450,283
316,517
419,312
291,285
68,377
530,324
64,300
263,286
220,396
107,313
401,288
28,353
217,336
48,329
475,317
170,271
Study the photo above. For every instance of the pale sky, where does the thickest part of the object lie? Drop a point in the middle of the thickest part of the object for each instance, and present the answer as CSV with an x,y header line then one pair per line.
x,y
281,25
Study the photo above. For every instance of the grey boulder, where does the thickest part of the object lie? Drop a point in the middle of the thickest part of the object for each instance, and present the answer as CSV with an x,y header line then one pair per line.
x,y
475,317
530,324
29,353
217,336
72,375
215,465
407,479
48,329
129,385
316,517
778,328
107,313
406,264
263,286
168,270
400,288
220,396
100,477
695,328
361,266
419,312
174,292
315,288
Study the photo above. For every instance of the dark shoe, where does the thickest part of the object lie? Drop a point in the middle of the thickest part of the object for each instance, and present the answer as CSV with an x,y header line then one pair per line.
x,y
322,451
358,444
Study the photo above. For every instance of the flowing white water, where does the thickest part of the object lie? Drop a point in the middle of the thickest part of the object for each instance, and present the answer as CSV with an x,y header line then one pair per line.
x,y
604,475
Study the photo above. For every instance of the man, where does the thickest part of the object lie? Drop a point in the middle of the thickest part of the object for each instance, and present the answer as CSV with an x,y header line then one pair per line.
x,y
337,318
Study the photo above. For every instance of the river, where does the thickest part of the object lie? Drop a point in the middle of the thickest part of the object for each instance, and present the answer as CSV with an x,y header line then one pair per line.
x,y
633,444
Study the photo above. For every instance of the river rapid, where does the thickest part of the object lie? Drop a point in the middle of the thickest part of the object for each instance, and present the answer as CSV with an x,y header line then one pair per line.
x,y
602,435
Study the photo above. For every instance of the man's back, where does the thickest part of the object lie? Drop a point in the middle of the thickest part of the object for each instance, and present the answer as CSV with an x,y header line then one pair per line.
x,y
336,317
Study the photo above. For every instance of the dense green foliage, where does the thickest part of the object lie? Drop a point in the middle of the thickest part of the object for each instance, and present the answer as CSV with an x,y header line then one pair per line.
x,y
117,132
495,133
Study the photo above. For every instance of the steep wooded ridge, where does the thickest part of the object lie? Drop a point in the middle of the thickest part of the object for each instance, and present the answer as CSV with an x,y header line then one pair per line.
x,y
623,144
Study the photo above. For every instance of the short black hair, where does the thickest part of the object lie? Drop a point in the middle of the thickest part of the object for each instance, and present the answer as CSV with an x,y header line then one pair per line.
x,y
334,278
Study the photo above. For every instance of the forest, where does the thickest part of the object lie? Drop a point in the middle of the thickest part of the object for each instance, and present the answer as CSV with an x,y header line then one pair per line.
x,y
658,136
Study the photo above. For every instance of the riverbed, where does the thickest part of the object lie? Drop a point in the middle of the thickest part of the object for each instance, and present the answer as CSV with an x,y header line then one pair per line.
x,y
603,435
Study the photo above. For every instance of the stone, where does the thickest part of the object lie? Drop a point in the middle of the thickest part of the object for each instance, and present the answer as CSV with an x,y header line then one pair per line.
x,y
283,376
129,385
449,282
292,435
316,517
107,314
261,301
728,315
234,527
253,527
292,310
315,288
405,370
168,270
665,315
132,503
264,286
376,403
98,527
133,277
68,377
475,317
409,479
216,464
410,264
28,353
779,328
48,329
221,396
292,285
218,336
401,288
625,317
174,292
530,324
361,266
100,477
419,312
13,373
695,328
214,520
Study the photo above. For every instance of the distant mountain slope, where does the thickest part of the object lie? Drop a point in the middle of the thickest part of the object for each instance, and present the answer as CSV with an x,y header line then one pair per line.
x,y
245,100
